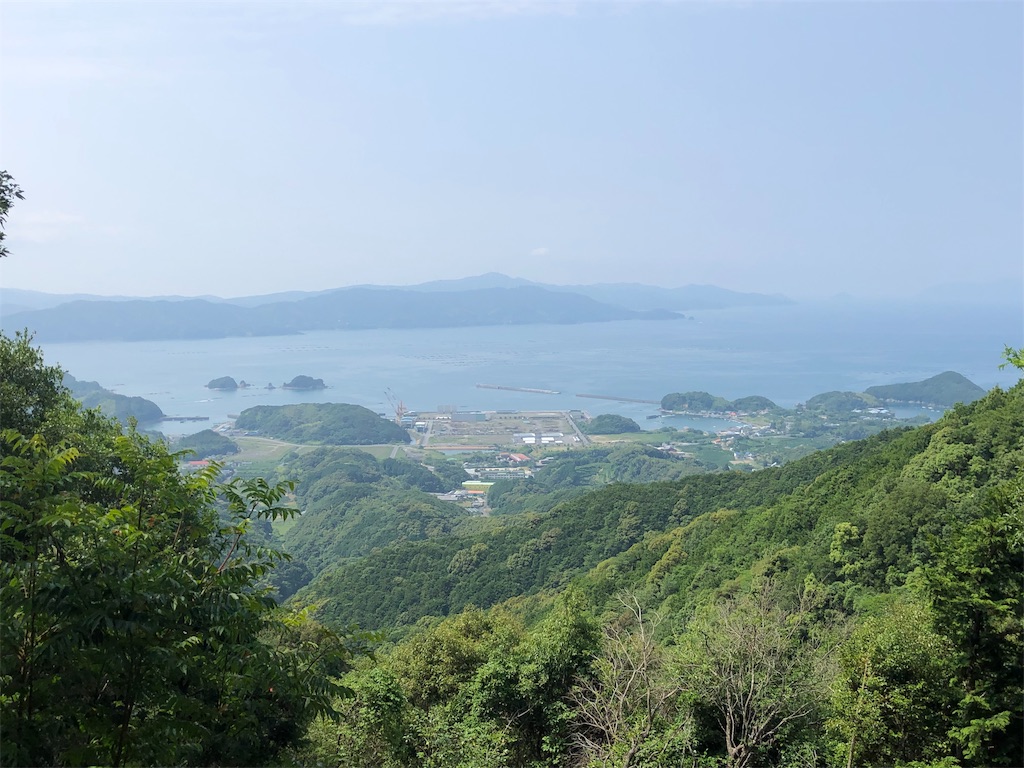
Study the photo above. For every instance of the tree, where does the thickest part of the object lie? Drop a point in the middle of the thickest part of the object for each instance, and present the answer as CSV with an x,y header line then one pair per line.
x,y
1014,357
978,602
892,697
626,710
135,624
524,691
761,667
32,394
9,192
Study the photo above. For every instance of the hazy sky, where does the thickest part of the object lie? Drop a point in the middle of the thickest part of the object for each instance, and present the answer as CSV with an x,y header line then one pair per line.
x,y
249,147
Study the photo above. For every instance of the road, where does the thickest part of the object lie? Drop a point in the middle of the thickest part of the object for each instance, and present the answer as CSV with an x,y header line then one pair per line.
x,y
584,440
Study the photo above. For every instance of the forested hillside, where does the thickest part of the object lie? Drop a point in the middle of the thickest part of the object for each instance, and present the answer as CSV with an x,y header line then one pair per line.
x,y
120,407
865,600
353,504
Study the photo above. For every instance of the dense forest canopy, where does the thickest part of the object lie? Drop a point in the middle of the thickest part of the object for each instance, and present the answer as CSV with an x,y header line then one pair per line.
x,y
321,423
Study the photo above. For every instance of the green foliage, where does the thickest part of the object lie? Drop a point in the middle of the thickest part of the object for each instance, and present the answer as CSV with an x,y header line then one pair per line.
x,y
528,688
628,711
912,538
761,666
703,401
900,521
136,629
374,728
574,471
694,401
133,619
321,423
944,389
416,475
353,504
840,402
893,689
481,690
978,597
531,552
206,443
1014,357
450,473
753,404
33,397
9,192
610,424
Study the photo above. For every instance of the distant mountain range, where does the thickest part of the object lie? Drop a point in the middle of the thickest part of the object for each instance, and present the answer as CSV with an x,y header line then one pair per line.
x,y
490,299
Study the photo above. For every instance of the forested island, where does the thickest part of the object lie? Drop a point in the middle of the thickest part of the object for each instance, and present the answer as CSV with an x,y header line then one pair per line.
x,y
223,382
321,423
621,606
828,416
300,382
945,389
305,383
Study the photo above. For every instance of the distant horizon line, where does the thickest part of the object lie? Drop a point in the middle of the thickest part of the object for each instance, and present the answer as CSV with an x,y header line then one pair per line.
x,y
1001,287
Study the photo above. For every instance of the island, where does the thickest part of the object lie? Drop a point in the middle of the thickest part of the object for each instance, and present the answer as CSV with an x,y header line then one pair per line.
x,y
703,402
224,382
321,423
305,382
945,389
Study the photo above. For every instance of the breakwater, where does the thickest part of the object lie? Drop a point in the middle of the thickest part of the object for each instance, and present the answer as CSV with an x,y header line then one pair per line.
x,y
622,399
519,389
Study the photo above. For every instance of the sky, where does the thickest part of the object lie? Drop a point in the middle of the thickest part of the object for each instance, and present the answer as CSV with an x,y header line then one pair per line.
x,y
239,148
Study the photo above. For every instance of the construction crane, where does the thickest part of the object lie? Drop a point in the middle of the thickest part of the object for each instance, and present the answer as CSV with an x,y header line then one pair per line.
x,y
396,404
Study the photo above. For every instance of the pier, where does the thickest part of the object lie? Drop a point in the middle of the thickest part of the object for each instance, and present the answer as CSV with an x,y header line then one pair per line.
x,y
520,389
622,399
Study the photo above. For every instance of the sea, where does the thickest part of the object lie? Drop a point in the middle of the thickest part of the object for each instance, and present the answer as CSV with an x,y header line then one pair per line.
x,y
786,353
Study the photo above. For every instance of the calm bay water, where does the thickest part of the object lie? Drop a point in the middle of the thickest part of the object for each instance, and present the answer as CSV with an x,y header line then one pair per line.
x,y
787,354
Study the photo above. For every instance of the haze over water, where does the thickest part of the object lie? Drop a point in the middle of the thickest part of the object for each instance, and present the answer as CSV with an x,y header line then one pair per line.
x,y
785,353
